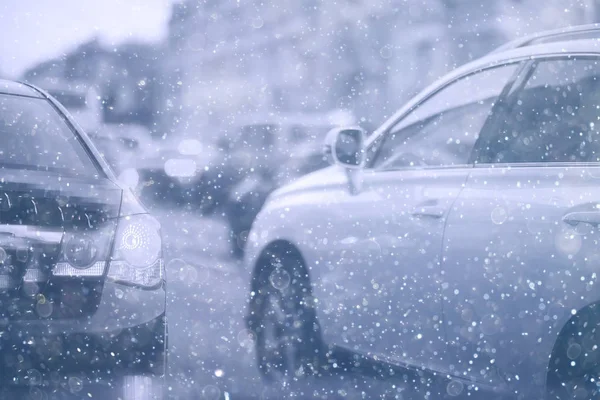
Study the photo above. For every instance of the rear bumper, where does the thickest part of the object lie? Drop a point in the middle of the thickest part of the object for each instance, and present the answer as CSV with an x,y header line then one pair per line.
x,y
126,336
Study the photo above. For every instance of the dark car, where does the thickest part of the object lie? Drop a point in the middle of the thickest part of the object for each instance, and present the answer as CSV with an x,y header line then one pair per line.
x,y
82,281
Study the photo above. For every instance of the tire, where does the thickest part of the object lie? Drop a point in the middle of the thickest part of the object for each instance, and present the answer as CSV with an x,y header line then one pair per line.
x,y
288,339
574,368
142,388
128,387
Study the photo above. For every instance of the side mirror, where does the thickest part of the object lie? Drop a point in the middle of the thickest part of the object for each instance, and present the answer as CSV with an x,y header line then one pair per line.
x,y
345,147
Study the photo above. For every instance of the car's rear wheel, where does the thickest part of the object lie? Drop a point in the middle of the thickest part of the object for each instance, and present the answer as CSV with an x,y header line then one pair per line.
x,y
288,337
574,369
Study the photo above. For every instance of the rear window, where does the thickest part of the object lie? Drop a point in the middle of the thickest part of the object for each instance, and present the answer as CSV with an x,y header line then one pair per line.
x,y
34,135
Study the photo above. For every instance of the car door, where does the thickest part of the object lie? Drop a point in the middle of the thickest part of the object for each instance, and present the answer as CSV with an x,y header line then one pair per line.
x,y
381,287
520,247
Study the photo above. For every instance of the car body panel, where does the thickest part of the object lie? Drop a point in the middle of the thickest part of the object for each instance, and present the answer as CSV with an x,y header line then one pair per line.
x,y
386,275
345,238
515,271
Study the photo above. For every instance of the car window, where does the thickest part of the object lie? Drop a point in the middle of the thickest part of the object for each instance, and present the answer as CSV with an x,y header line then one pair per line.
x,y
553,118
35,136
442,131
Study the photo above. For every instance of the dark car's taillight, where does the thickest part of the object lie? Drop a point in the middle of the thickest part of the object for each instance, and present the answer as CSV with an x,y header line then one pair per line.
x,y
131,250
85,253
137,256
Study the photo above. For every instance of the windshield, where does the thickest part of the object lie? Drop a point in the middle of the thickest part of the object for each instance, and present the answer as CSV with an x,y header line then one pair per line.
x,y
35,136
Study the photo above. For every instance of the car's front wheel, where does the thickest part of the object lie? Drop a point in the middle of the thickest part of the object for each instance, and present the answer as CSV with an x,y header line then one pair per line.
x,y
287,334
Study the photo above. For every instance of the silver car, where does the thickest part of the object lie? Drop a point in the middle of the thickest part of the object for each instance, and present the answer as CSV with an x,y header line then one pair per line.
x,y
460,240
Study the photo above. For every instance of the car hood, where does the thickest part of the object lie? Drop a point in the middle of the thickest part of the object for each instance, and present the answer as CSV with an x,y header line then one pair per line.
x,y
321,179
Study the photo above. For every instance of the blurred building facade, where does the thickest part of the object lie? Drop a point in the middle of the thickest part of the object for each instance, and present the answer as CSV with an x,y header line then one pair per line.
x,y
125,78
247,56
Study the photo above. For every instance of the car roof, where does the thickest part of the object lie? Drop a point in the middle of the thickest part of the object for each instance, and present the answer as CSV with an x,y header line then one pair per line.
x,y
582,46
18,89
589,31
286,119
564,48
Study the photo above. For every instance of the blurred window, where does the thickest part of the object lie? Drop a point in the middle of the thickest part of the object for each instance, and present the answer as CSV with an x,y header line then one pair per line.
x,y
553,118
442,130
35,136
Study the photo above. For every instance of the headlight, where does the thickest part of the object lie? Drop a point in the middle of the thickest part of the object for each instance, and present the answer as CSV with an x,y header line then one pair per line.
x,y
137,256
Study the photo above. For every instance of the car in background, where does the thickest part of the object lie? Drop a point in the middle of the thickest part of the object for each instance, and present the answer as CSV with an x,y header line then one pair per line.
x,y
82,280
260,153
170,170
458,244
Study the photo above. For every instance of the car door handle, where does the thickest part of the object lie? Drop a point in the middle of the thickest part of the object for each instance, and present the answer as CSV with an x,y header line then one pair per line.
x,y
585,217
428,209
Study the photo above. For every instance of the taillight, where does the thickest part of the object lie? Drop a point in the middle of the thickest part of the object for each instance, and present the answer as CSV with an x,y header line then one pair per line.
x,y
134,257
85,252
137,255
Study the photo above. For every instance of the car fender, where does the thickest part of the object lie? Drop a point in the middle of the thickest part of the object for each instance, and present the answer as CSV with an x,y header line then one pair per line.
x,y
269,228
